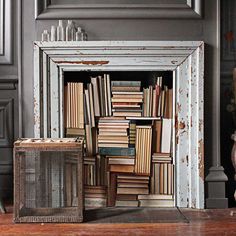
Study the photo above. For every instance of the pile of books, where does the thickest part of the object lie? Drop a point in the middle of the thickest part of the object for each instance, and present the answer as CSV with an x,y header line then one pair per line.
x,y
121,164
156,200
157,101
95,196
101,170
101,95
162,179
129,187
90,170
143,149
126,98
113,132
74,109
128,137
162,136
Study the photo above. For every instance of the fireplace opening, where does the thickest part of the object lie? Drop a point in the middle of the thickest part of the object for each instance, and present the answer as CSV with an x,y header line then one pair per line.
x,y
126,120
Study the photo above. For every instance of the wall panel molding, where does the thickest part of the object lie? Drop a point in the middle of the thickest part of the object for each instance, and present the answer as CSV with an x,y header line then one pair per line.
x,y
44,9
228,25
6,31
8,82
6,122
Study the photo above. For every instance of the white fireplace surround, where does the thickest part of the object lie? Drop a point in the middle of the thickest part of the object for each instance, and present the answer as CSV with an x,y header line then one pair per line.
x,y
184,58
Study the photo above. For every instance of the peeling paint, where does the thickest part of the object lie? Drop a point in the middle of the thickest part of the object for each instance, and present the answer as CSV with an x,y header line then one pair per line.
x,y
93,63
178,108
201,159
201,123
181,125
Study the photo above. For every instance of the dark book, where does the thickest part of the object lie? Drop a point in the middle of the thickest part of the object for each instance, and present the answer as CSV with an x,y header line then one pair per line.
x,y
111,200
116,151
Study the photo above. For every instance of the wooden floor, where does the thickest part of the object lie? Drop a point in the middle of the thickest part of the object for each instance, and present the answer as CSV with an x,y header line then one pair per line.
x,y
204,222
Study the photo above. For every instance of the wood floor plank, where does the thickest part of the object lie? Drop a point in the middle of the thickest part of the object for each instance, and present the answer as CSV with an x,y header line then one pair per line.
x,y
204,222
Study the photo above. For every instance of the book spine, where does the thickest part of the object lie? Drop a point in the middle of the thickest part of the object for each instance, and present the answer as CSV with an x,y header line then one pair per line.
x,y
112,151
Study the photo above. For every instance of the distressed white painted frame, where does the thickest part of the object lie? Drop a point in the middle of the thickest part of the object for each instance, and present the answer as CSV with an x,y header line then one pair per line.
x,y
185,59
5,31
190,9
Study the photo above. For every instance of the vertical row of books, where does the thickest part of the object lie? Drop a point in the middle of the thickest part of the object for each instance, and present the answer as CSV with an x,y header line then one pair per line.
x,y
158,102
127,130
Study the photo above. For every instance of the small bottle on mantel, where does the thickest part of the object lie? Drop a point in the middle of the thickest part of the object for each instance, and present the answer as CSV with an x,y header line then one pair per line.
x,y
70,31
60,31
78,34
84,36
45,36
53,33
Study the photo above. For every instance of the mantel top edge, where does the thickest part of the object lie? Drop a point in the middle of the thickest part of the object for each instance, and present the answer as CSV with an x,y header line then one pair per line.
x,y
145,44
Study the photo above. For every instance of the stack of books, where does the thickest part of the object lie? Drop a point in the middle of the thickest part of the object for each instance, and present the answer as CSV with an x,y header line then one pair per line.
x,y
162,179
143,147
95,196
161,158
162,136
74,109
121,164
130,186
102,95
157,101
132,133
126,98
113,132
101,170
90,170
156,200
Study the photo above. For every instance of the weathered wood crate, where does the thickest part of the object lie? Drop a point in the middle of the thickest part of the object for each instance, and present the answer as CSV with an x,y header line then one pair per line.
x,y
48,180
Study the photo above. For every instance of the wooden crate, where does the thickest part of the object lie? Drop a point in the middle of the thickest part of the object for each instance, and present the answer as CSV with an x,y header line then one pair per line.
x,y
48,180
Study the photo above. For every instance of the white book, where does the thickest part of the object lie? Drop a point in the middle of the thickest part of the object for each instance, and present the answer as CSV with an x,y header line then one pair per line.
x,y
166,136
109,94
94,82
157,203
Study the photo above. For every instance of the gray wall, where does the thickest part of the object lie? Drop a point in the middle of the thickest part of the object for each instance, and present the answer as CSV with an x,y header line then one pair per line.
x,y
8,98
124,29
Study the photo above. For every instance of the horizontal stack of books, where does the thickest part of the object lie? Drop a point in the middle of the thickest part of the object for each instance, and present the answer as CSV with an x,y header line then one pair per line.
x,y
113,132
129,187
95,196
156,200
121,164
126,98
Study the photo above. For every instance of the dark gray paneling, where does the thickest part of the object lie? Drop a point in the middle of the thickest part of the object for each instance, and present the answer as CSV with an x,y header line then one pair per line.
x,y
6,122
8,93
5,31
8,132
228,25
118,9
